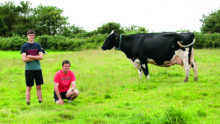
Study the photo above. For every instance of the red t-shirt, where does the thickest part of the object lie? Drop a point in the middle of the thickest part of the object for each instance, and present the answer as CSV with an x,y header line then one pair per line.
x,y
64,80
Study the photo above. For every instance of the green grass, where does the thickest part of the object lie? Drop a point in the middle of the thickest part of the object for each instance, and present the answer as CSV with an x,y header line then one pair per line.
x,y
111,91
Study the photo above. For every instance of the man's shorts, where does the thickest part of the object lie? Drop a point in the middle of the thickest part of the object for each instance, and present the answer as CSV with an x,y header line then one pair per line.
x,y
31,75
63,96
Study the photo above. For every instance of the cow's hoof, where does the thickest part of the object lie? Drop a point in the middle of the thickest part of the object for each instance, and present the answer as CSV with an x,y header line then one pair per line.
x,y
195,78
186,80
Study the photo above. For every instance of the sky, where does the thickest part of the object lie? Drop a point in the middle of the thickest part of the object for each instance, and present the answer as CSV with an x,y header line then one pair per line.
x,y
154,15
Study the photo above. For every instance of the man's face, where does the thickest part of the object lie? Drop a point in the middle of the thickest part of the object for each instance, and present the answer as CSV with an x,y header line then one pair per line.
x,y
66,67
31,37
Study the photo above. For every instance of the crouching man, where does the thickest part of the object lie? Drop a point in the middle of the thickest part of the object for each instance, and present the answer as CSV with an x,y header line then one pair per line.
x,y
63,79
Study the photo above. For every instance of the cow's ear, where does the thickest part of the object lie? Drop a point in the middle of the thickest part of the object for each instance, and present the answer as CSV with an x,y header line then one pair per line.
x,y
116,38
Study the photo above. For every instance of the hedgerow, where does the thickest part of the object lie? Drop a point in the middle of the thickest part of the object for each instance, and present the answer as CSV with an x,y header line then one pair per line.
x,y
207,40
61,43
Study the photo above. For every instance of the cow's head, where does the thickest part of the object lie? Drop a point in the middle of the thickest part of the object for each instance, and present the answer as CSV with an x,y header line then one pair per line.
x,y
111,41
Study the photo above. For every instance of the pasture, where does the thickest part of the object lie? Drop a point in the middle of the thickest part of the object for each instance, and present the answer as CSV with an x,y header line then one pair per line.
x,y
111,91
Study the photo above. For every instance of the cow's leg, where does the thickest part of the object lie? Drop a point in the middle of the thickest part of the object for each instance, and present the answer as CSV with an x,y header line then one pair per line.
x,y
144,67
137,65
185,58
140,72
194,66
195,70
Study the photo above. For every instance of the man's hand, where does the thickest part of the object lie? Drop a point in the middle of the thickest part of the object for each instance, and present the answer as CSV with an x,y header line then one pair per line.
x,y
29,56
37,57
60,102
70,92
71,89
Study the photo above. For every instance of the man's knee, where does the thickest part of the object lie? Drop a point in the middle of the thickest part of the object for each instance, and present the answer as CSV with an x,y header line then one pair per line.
x,y
72,92
28,89
76,92
38,87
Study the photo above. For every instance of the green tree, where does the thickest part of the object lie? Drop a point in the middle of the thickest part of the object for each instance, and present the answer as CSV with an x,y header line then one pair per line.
x,y
48,20
135,28
2,27
76,29
8,16
211,23
14,19
108,27
69,31
23,22
24,8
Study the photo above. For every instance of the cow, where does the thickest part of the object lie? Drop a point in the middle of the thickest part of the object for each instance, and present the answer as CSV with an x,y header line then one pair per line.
x,y
161,49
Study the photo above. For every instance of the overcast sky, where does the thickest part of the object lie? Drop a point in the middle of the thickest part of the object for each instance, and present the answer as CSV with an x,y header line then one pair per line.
x,y
155,15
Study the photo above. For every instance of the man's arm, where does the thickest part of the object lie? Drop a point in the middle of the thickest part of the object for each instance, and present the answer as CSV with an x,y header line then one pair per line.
x,y
40,57
60,100
25,58
71,89
73,85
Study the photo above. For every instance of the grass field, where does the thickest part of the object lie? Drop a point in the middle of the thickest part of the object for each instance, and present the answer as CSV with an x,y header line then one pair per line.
x,y
111,91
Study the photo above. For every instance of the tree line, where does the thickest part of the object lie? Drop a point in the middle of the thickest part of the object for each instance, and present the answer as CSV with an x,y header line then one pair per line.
x,y
18,19
48,20
55,33
45,20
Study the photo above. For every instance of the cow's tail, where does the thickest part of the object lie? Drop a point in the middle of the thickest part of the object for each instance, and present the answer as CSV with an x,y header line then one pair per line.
x,y
184,46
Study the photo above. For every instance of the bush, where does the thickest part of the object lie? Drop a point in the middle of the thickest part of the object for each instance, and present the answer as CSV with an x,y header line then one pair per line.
x,y
13,43
16,43
45,41
92,41
4,43
207,40
74,44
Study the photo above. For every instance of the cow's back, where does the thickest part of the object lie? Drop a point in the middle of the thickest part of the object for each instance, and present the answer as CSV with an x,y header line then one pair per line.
x,y
157,46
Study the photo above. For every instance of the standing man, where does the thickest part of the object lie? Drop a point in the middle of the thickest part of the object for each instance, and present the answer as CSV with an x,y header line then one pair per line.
x,y
31,54
63,79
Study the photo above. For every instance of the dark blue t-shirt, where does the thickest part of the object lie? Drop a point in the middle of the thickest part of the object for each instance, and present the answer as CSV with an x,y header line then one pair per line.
x,y
32,49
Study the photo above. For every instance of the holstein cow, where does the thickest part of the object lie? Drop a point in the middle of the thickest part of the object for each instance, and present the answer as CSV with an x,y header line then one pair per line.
x,y
161,49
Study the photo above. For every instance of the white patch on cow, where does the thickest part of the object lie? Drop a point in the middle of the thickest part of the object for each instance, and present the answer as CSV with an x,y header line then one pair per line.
x,y
144,66
111,33
137,64
140,73
184,56
151,61
165,64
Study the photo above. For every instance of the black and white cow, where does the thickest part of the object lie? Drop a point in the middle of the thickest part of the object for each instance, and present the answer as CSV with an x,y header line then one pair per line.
x,y
161,49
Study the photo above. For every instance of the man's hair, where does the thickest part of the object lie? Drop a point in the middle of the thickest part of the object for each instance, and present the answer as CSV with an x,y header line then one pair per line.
x,y
30,32
65,62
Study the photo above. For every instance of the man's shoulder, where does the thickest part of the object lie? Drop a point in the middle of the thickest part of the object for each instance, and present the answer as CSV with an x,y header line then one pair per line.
x,y
35,43
70,73
25,44
59,72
